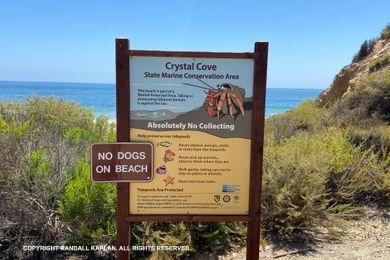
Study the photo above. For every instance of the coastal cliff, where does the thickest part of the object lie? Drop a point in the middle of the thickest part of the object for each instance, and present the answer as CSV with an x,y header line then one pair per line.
x,y
373,56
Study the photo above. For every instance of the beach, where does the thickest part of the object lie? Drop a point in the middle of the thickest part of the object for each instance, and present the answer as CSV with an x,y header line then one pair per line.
x,y
101,97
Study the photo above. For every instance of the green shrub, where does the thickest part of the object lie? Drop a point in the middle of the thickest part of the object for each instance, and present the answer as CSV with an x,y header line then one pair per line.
x,y
376,138
319,163
310,180
386,32
198,236
3,124
58,114
216,236
89,207
158,234
41,140
307,117
366,181
379,63
365,49
367,104
296,172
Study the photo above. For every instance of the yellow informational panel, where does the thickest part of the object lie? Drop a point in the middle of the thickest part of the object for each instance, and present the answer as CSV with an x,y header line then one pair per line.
x,y
197,113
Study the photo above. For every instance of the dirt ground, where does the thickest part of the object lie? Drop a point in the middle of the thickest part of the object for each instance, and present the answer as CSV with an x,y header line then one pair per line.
x,y
366,238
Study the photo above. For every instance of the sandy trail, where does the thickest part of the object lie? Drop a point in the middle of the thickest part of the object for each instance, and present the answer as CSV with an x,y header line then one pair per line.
x,y
366,238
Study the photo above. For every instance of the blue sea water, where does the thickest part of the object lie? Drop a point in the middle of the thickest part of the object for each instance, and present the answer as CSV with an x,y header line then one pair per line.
x,y
101,97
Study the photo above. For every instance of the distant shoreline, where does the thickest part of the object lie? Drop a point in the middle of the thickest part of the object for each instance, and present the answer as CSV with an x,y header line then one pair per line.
x,y
113,84
100,97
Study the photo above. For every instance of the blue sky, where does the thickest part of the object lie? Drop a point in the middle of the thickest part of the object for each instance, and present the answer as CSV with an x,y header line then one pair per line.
x,y
73,41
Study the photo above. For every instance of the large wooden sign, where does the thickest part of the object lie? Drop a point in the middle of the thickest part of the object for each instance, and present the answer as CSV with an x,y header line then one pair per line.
x,y
197,112
204,114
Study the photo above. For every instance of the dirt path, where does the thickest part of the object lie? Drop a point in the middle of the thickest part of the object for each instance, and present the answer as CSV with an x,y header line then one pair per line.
x,y
366,238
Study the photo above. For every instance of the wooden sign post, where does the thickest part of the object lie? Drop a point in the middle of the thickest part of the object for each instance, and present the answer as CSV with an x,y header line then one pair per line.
x,y
251,195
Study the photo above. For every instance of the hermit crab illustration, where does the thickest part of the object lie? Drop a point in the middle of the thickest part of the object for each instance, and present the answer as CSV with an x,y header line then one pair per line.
x,y
226,99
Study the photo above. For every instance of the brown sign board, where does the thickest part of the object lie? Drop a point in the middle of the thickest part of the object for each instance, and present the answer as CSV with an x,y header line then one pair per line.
x,y
126,132
122,162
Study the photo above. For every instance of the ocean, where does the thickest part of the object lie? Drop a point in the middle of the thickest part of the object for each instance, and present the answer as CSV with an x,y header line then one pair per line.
x,y
101,97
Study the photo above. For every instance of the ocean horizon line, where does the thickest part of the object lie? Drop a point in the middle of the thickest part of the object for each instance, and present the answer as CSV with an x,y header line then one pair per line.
x,y
113,84
101,98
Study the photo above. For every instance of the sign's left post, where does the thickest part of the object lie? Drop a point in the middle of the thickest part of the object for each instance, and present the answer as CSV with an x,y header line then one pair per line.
x,y
123,135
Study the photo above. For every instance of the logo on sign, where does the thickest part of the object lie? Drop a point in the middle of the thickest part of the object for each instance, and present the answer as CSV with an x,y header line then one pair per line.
x,y
230,188
226,198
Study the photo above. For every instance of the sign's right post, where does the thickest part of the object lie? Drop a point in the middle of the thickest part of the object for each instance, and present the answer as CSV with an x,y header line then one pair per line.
x,y
256,167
